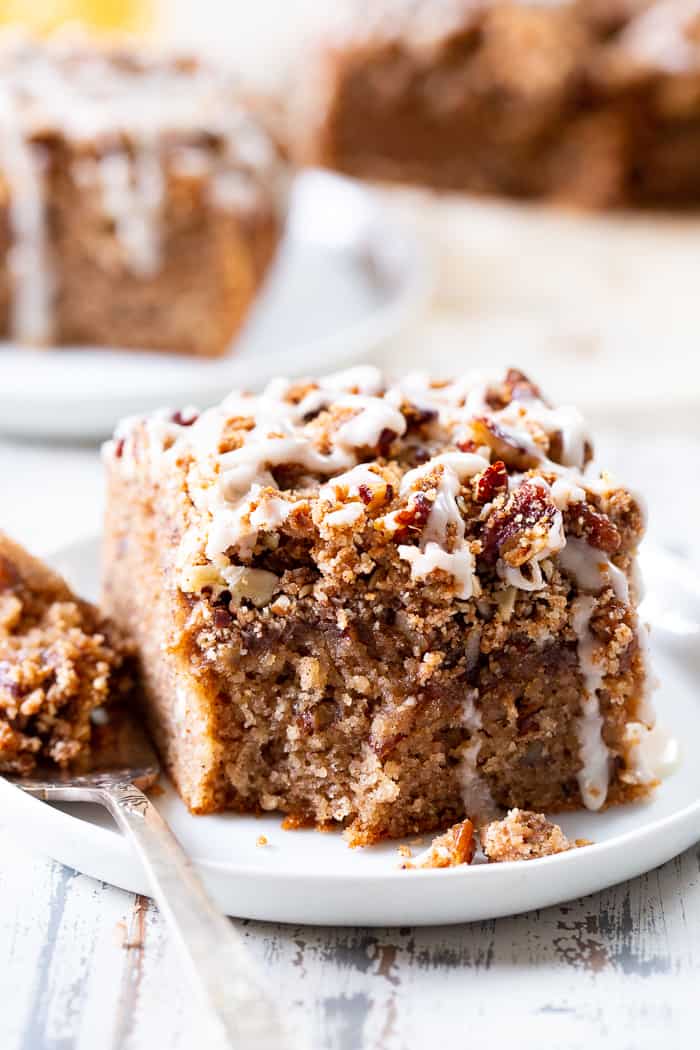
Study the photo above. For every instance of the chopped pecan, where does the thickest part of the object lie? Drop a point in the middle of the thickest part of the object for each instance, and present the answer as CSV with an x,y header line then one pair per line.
x,y
461,838
417,417
224,599
515,387
380,494
9,576
184,420
414,516
556,449
288,476
487,485
505,445
597,529
418,456
222,618
521,528
521,387
455,847
386,439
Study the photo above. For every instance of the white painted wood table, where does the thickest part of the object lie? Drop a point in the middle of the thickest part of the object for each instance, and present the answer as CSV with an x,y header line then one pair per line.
x,y
84,966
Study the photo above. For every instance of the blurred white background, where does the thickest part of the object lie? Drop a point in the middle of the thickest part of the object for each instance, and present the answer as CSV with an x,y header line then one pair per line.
x,y
262,38
259,37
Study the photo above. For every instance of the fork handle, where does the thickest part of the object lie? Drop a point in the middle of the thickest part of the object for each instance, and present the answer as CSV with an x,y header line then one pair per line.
x,y
217,960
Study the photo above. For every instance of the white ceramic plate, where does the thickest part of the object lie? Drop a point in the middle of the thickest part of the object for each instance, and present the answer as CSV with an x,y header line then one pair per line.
x,y
312,877
348,278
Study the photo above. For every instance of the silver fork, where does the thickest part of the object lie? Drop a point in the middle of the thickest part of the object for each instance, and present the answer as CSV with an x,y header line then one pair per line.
x,y
241,1012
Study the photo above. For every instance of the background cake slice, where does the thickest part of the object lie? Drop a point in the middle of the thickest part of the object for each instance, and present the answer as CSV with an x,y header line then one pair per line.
x,y
59,661
589,103
383,605
141,198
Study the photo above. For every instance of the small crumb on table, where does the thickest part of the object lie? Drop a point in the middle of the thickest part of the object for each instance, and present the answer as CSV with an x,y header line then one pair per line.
x,y
261,840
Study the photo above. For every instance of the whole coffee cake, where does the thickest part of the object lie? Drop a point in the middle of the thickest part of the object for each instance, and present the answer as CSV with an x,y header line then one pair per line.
x,y
141,198
594,103
386,606
59,661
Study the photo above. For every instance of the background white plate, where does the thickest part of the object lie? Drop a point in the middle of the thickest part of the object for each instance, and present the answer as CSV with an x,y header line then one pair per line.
x,y
347,279
312,877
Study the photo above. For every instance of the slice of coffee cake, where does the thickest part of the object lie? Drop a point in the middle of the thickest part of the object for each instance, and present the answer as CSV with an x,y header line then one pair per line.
x,y
142,197
387,606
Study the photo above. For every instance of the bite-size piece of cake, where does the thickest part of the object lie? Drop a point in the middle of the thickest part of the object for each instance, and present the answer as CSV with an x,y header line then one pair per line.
x,y
521,835
141,198
386,605
59,661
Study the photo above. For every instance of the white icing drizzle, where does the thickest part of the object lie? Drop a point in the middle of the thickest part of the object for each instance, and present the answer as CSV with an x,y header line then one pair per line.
x,y
479,804
591,569
238,506
31,276
348,515
374,416
645,708
240,509
652,753
566,491
659,36
280,434
132,195
458,563
445,524
350,482
554,543
126,107
594,775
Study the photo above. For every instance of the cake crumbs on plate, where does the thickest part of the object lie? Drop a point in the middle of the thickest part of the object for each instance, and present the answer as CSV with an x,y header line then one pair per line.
x,y
523,835
454,847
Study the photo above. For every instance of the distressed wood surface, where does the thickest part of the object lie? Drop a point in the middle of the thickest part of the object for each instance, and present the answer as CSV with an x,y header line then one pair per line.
x,y
84,966
89,967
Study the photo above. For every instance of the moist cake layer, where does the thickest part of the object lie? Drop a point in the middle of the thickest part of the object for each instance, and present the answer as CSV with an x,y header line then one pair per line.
x,y
388,605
